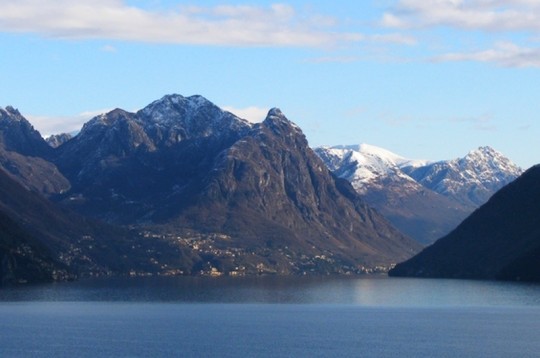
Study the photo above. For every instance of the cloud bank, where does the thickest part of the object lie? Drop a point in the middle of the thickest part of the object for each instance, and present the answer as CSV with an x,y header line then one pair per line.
x,y
225,25
514,24
489,15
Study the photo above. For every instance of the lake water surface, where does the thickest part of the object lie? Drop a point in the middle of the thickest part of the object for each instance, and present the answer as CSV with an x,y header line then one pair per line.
x,y
372,316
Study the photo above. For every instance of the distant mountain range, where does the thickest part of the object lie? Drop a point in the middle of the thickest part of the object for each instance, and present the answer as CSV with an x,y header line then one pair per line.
x,y
424,200
500,240
186,188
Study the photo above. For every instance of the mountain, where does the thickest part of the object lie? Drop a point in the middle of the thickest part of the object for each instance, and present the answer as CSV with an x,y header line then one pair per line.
x,y
25,156
57,140
364,165
185,168
500,240
187,188
124,166
18,135
470,180
400,189
270,189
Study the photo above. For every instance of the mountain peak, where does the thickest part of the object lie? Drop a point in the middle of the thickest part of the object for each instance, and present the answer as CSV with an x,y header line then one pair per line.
x,y
487,160
484,152
279,123
276,112
188,117
17,134
470,180
175,105
10,111
10,114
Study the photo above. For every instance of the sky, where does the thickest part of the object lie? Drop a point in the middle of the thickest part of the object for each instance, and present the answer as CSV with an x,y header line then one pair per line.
x,y
426,79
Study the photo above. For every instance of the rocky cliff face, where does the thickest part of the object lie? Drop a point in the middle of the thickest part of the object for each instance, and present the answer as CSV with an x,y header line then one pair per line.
x,y
182,164
269,188
500,240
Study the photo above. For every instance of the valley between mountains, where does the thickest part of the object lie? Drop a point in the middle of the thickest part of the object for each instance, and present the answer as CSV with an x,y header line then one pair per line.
x,y
182,187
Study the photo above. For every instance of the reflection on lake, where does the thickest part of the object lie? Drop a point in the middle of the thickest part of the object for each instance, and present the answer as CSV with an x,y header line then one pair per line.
x,y
366,291
271,317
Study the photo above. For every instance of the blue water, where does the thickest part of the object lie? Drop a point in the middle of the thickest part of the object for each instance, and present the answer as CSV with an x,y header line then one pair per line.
x,y
269,317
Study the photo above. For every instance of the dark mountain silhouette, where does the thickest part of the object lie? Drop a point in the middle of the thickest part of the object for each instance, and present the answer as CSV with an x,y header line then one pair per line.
x,y
500,240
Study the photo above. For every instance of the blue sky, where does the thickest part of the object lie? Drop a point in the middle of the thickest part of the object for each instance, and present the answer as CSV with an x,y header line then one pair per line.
x,y
424,79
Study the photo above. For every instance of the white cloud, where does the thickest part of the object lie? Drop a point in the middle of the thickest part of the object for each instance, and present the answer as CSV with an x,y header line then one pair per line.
x,y
518,20
245,25
503,54
490,15
251,114
48,125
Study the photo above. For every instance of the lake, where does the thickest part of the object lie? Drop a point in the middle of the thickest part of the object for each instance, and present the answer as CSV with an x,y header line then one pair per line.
x,y
371,316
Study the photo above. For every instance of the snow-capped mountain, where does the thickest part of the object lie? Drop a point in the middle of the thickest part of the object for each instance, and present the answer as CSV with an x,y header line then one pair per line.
x,y
425,200
471,180
364,165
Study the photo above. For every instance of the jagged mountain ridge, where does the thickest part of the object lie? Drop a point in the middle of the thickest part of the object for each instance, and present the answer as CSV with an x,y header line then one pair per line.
x,y
125,165
500,240
470,180
424,200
